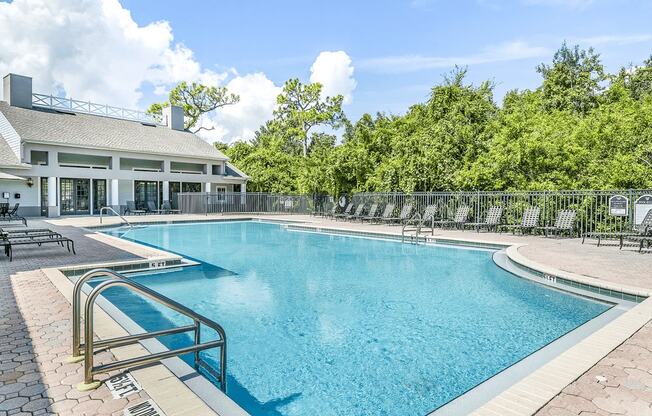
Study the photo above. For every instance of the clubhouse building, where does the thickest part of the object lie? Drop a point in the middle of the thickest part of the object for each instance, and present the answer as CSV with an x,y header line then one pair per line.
x,y
60,156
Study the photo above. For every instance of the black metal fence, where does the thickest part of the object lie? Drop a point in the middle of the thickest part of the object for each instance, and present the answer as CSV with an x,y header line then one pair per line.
x,y
592,206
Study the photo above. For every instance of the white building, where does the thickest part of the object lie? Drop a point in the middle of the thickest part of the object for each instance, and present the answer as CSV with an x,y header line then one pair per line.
x,y
77,157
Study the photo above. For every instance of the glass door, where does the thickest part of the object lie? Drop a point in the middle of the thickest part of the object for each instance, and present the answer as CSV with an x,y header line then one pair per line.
x,y
44,197
175,188
144,192
75,196
99,194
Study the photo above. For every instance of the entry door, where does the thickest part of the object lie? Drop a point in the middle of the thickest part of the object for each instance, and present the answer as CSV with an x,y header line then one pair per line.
x,y
99,194
145,191
75,196
44,197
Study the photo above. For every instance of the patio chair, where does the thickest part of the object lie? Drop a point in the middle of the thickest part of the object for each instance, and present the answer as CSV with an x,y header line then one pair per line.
x,y
491,221
387,212
458,221
167,208
565,223
403,216
418,221
151,208
529,221
638,230
370,214
11,214
332,212
357,214
131,209
345,213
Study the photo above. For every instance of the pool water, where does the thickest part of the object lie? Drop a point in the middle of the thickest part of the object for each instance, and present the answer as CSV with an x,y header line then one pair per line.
x,y
320,324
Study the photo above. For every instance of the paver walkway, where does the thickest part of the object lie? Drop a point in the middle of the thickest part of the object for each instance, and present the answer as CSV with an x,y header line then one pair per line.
x,y
35,339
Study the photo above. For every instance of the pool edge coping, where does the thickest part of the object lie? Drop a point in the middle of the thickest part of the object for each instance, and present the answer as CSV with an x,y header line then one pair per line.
x,y
551,378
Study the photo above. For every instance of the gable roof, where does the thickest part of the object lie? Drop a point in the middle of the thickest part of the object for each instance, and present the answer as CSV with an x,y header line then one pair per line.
x,y
7,156
38,125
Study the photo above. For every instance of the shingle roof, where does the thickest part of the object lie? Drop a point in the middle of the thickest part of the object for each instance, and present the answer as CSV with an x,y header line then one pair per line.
x,y
7,156
97,132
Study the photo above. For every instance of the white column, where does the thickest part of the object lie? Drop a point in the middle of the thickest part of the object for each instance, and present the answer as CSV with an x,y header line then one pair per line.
x,y
207,187
243,193
53,209
90,197
166,191
115,195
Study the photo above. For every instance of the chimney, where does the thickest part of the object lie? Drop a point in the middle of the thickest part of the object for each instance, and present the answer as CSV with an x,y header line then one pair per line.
x,y
173,117
18,90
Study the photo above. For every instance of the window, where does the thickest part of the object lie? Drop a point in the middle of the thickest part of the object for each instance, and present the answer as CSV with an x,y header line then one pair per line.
x,y
38,158
191,187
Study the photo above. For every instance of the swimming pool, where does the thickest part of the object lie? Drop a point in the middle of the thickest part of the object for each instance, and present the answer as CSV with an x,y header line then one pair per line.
x,y
340,325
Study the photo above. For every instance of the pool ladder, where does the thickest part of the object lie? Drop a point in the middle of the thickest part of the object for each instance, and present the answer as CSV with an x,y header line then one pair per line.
x,y
413,239
116,213
90,345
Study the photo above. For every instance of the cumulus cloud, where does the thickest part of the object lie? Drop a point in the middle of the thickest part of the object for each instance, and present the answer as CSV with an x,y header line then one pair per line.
x,y
334,70
92,49
240,121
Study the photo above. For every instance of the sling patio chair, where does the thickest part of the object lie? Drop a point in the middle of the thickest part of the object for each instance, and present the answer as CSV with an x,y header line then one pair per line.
x,y
332,212
638,230
6,233
11,215
491,221
418,221
167,208
529,221
357,214
404,215
642,240
151,208
565,223
458,221
370,214
345,213
131,209
387,212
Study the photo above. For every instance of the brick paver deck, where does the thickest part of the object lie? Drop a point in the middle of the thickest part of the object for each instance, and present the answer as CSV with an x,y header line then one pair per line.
x,y
35,329
35,339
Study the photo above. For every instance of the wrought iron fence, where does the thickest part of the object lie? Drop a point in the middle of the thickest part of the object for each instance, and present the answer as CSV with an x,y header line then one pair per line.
x,y
235,202
592,206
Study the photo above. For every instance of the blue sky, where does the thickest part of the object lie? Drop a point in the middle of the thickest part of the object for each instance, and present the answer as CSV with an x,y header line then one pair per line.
x,y
282,39
382,55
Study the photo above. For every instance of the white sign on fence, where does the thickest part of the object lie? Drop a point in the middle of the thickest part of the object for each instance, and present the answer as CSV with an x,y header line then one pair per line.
x,y
641,207
618,206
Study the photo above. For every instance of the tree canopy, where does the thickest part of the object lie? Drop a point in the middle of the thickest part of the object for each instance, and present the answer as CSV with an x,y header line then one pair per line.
x,y
581,128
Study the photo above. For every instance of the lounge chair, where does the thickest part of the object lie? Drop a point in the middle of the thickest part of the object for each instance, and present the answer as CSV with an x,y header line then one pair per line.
x,y
370,214
9,241
151,208
642,240
131,209
418,221
357,214
332,212
529,221
491,221
167,208
458,221
638,230
404,215
565,223
387,212
345,213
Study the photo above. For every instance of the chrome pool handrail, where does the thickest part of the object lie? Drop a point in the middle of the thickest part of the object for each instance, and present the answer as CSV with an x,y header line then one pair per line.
x,y
118,279
116,213
418,228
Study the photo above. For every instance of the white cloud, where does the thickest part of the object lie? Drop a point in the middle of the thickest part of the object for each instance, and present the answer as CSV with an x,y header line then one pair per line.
x,y
334,70
240,121
510,51
92,49
618,40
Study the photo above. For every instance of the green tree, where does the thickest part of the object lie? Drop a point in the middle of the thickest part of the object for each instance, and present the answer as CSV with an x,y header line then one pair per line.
x,y
196,100
574,81
300,108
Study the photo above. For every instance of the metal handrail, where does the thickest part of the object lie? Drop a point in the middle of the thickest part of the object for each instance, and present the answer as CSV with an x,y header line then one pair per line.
x,y
118,279
116,213
408,223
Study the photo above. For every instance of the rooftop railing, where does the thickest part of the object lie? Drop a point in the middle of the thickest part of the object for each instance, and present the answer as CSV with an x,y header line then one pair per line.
x,y
87,107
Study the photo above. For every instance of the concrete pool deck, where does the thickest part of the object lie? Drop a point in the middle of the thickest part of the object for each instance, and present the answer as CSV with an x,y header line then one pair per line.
x,y
615,378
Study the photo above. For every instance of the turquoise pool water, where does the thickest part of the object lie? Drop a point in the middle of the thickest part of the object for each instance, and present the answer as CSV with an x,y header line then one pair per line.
x,y
320,324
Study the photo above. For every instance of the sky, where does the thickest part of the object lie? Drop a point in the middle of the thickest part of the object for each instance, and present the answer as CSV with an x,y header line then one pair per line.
x,y
382,55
